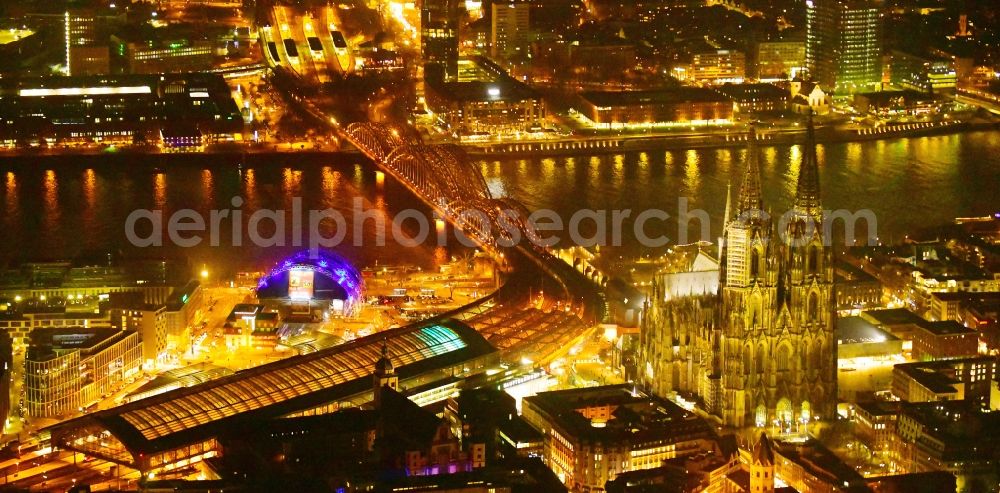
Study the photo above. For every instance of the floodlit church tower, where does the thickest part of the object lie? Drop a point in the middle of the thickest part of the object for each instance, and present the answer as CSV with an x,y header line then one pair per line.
x,y
749,289
761,351
808,292
776,307
384,376
762,466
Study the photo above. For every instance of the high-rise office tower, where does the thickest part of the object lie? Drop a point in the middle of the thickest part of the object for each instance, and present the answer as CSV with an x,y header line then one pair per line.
x,y
439,34
86,36
844,44
509,28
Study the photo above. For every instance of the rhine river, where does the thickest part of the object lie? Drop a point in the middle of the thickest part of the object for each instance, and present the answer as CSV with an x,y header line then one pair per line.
x,y
65,208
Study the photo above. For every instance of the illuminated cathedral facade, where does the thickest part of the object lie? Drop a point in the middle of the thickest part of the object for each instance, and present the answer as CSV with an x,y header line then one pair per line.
x,y
759,352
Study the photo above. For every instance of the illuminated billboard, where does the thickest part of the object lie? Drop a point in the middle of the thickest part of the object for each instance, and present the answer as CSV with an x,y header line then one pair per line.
x,y
300,284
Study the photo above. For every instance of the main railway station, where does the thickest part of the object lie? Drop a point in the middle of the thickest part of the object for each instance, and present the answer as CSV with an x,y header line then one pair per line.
x,y
181,427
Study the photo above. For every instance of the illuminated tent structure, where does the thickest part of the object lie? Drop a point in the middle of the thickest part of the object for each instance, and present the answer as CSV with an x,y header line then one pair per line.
x,y
315,274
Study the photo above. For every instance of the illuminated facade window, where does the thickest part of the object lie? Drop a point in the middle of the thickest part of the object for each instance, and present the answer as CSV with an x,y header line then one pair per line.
x,y
509,28
69,368
439,34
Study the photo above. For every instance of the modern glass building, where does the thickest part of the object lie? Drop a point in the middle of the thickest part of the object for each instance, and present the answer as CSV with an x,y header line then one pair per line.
x,y
509,26
844,44
69,368
439,34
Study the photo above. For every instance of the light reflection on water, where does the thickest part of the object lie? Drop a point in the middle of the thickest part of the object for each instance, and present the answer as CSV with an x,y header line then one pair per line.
x,y
51,212
12,212
67,211
89,212
692,172
908,183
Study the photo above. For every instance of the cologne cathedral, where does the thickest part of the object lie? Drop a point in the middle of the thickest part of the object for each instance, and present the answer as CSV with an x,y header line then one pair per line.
x,y
760,351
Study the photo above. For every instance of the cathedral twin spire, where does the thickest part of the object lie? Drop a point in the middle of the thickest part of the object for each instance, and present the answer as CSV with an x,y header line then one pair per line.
x,y
750,196
807,198
761,357
807,194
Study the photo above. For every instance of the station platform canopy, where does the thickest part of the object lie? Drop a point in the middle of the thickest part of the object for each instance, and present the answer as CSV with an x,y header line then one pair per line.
x,y
183,424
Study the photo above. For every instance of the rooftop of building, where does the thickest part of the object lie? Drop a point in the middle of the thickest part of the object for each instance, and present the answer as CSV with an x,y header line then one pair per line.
x,y
247,309
69,338
983,310
200,412
884,97
307,342
894,316
402,427
857,330
50,342
966,432
916,482
478,80
740,479
659,96
634,417
13,34
172,35
593,36
152,85
762,452
483,91
929,378
970,296
127,300
792,36
945,328
700,45
184,376
920,52
667,478
948,364
878,408
92,272
944,267
50,310
520,475
484,403
182,294
819,461
758,91
519,431
807,86
847,272
414,426
344,421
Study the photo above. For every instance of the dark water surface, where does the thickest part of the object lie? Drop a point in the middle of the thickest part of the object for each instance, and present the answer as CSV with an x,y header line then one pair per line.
x,y
50,209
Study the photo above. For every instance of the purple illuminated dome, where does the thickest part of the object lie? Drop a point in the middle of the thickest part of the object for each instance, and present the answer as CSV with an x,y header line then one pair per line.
x,y
314,275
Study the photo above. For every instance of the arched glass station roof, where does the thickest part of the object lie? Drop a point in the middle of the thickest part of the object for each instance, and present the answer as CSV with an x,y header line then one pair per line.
x,y
179,418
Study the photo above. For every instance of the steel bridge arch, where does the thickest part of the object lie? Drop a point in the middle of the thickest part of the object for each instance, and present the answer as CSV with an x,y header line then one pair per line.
x,y
461,170
516,211
473,221
445,166
376,140
408,163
